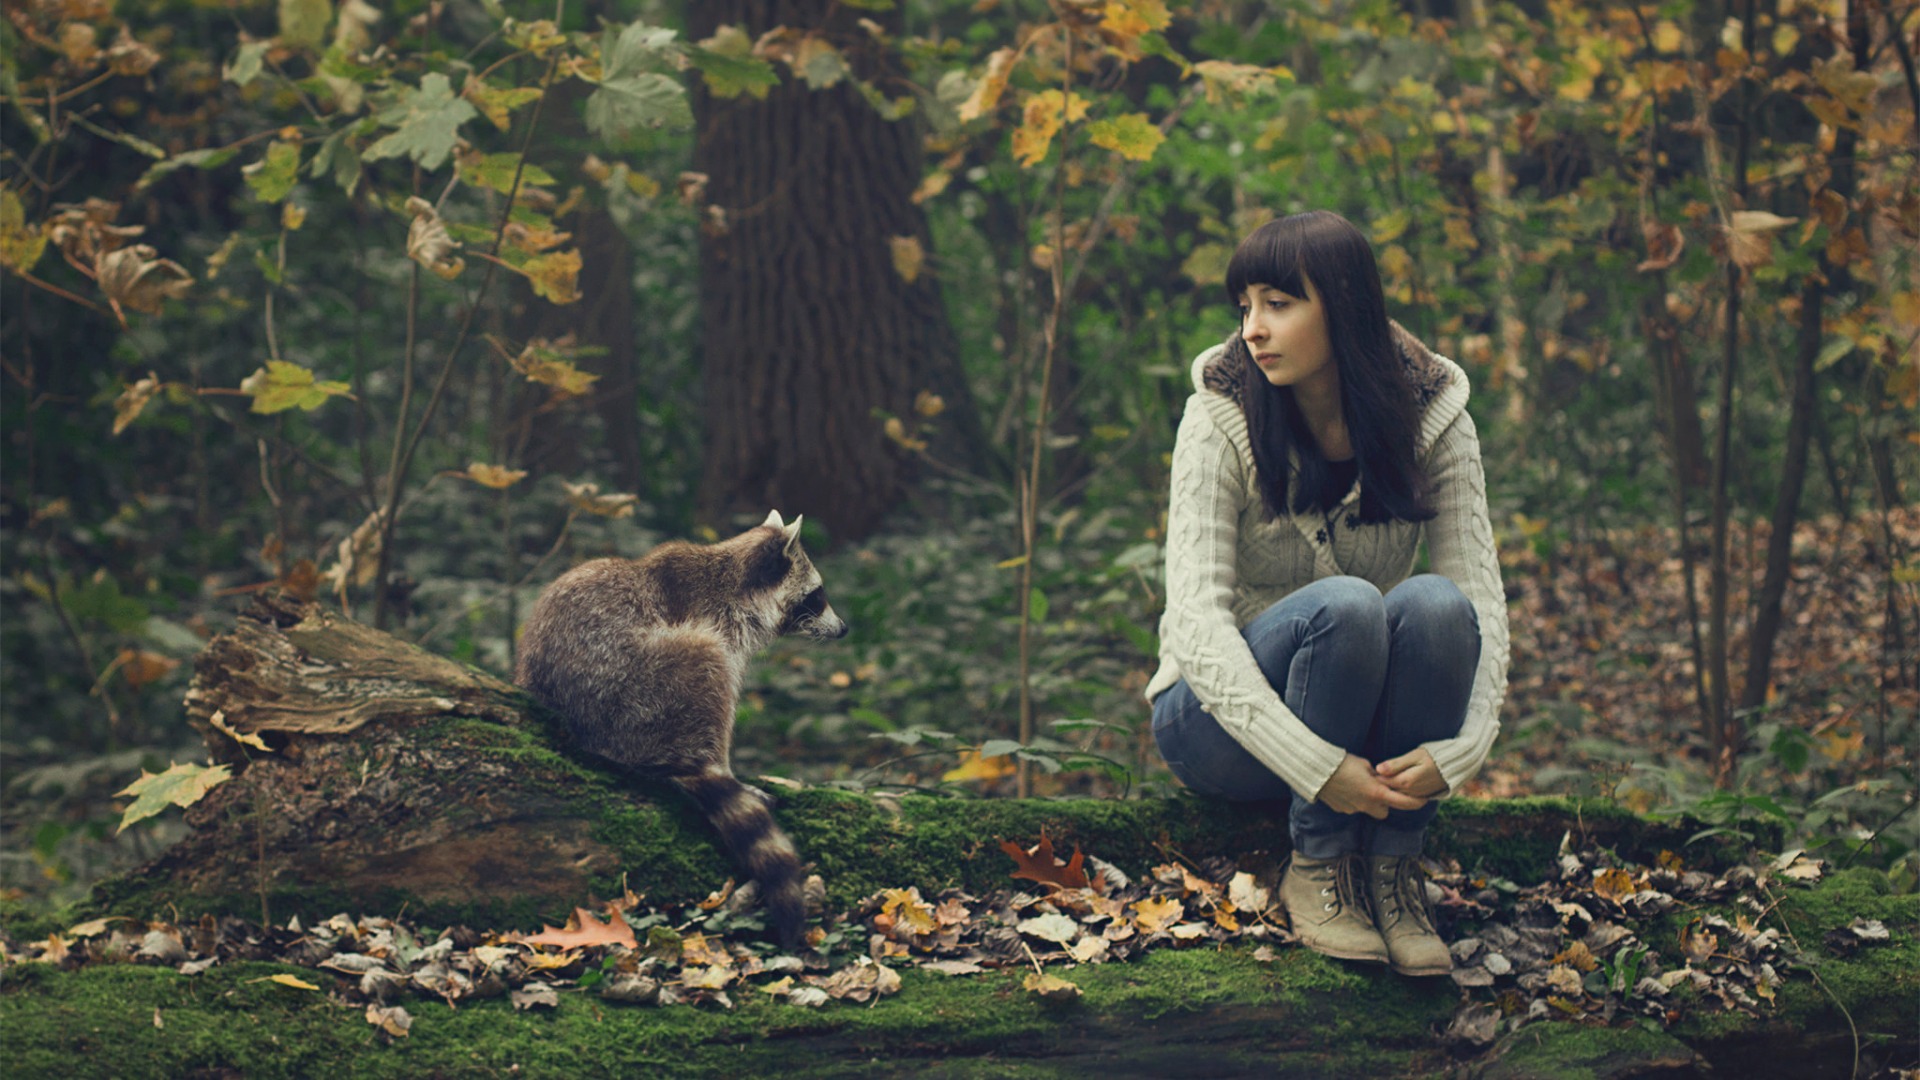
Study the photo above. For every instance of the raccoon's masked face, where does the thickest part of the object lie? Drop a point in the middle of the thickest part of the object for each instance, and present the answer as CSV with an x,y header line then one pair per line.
x,y
801,597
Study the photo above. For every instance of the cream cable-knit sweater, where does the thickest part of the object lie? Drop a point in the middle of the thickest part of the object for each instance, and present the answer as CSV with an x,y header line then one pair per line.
x,y
1226,564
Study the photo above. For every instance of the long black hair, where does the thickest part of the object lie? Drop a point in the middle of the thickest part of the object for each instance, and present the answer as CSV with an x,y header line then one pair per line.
x,y
1376,397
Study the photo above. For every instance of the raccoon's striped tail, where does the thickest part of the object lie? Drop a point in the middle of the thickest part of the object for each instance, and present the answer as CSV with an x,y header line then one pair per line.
x,y
758,846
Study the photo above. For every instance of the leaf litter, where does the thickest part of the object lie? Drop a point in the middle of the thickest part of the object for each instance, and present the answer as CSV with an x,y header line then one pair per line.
x,y
1590,944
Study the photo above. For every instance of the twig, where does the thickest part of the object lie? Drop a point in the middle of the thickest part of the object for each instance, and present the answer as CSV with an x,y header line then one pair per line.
x,y
1031,959
1822,983
403,457
58,291
1875,835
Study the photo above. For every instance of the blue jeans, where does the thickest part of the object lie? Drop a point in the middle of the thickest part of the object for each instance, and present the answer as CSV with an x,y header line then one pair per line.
x,y
1376,676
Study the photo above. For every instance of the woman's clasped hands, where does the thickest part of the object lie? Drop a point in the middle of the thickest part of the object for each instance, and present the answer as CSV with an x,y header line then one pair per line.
x,y
1402,783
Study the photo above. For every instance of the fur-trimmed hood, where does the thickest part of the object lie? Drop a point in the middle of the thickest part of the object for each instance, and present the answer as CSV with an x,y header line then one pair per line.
x,y
1439,385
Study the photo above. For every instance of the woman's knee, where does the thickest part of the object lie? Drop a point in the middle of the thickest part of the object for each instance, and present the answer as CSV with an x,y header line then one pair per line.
x,y
1346,601
1433,601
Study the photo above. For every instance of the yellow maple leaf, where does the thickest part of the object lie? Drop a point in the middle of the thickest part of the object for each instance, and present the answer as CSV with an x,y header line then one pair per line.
x,y
909,911
555,276
1045,113
1158,913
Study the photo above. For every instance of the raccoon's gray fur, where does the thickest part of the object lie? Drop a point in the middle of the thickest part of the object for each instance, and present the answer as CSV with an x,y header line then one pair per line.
x,y
645,658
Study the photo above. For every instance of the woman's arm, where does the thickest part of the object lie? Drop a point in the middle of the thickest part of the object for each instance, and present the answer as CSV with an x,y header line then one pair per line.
x,y
1203,520
1460,546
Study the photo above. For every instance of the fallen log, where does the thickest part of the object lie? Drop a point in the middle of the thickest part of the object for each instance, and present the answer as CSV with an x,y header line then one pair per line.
x,y
389,780
393,778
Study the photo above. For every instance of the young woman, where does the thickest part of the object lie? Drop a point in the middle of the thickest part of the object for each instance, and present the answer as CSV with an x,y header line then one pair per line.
x,y
1322,444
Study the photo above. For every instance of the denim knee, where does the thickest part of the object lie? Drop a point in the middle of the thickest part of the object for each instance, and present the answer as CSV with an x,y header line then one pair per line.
x,y
1346,599
1434,603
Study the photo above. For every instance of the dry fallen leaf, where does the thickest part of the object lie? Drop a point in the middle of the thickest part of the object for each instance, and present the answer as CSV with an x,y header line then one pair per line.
x,y
1043,866
1155,915
392,1020
293,981
1051,987
1053,927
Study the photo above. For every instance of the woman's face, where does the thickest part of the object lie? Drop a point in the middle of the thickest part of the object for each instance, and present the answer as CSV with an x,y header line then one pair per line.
x,y
1287,334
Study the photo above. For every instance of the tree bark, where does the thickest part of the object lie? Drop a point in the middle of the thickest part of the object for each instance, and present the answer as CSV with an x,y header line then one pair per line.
x,y
1786,512
807,327
1726,738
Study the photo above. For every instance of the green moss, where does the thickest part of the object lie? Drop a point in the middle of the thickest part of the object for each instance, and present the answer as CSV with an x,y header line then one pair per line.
x,y
1165,1008
1875,990
1566,1051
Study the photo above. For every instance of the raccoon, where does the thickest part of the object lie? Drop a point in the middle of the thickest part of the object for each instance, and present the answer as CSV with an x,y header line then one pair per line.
x,y
645,659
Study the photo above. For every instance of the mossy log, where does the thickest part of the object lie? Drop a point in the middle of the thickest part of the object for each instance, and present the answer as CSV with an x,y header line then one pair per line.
x,y
397,780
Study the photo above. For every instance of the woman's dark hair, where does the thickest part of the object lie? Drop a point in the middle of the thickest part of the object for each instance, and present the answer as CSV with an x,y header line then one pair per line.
x,y
1382,413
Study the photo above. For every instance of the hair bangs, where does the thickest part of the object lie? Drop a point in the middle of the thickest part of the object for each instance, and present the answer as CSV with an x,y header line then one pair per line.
x,y
1270,255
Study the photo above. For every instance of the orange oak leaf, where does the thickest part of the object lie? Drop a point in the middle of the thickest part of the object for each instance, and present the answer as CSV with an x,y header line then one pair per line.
x,y
584,928
1043,866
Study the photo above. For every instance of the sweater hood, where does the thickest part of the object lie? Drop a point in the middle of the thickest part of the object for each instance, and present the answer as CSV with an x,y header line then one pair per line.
x,y
1439,385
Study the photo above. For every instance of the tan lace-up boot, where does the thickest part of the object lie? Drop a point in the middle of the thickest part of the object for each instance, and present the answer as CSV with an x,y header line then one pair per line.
x,y
1398,896
1325,900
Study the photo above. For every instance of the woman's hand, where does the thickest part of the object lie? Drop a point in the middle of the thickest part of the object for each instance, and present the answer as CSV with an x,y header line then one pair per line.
x,y
1412,773
1355,789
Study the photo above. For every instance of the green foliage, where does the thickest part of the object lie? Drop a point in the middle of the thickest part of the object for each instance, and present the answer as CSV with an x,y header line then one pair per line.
x,y
425,121
180,785
630,97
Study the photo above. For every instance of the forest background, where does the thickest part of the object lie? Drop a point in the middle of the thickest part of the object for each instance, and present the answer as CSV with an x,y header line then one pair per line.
x,y
407,309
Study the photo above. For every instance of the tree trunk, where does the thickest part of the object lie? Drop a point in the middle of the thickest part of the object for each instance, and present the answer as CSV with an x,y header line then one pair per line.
x,y
1786,513
1726,736
1765,627
807,327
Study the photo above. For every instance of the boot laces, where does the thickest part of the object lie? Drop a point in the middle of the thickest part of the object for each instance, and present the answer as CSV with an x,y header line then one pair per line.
x,y
1406,893
1346,888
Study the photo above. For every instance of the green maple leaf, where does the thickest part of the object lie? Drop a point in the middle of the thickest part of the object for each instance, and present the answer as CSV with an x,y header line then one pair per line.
x,y
339,157
281,386
640,101
1131,136
631,97
273,176
425,121
727,63
181,785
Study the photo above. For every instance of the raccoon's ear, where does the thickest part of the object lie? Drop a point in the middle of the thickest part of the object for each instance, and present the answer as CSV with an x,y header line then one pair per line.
x,y
773,519
766,565
792,533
